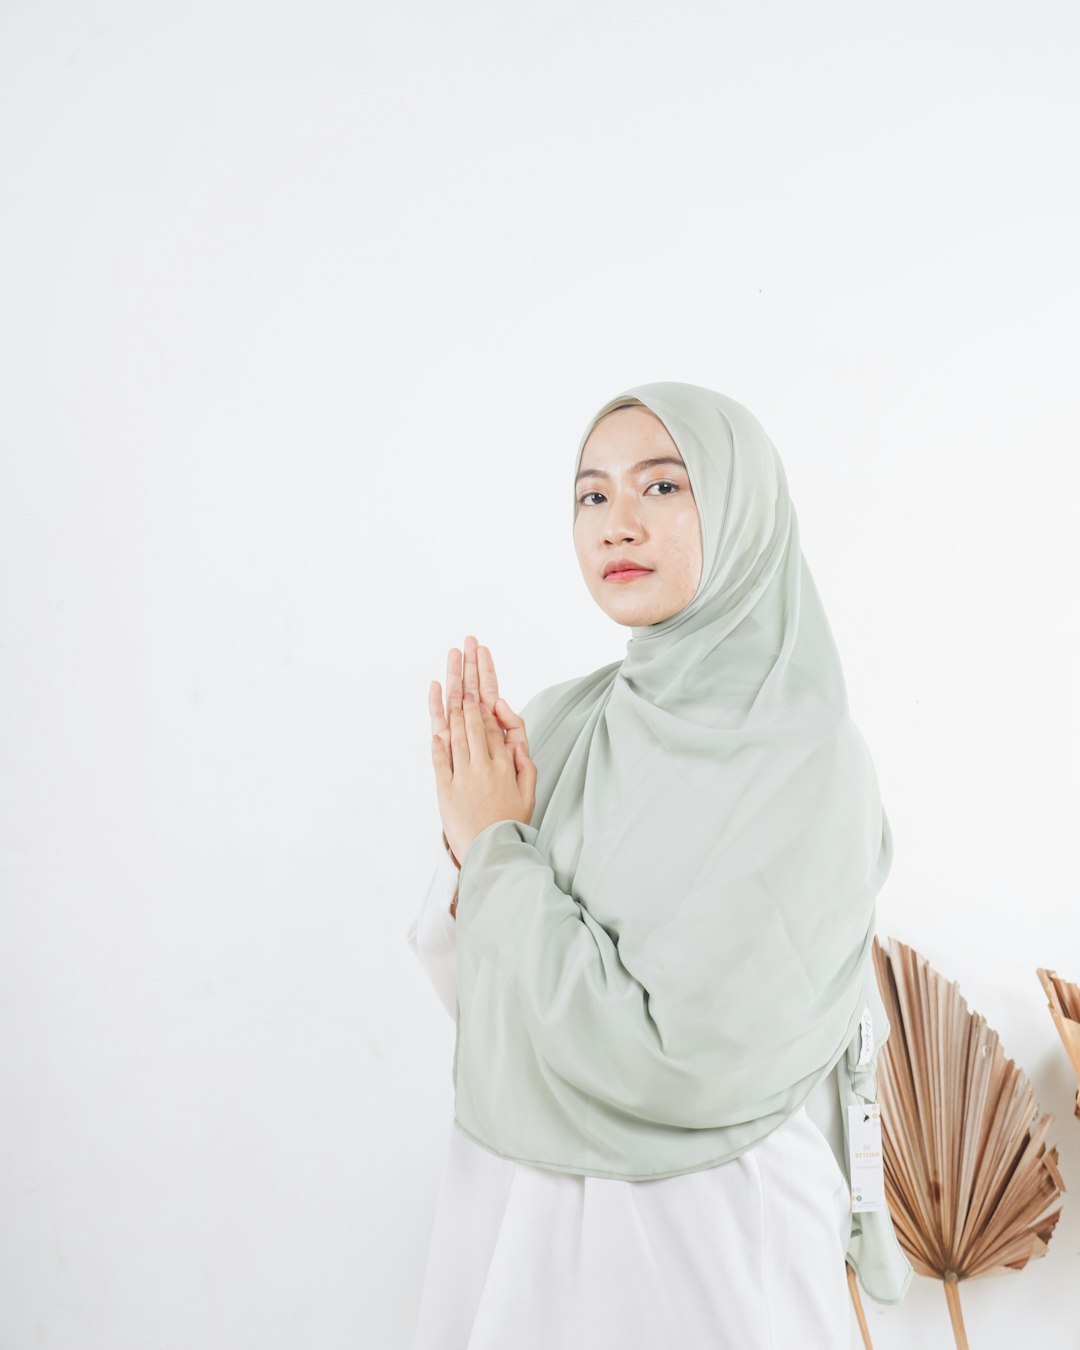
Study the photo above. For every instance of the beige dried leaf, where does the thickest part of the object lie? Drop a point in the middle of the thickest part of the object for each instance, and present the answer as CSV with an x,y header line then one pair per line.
x,y
968,1174
1063,998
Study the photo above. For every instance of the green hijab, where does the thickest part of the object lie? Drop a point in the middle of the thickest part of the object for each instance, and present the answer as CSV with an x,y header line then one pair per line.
x,y
657,971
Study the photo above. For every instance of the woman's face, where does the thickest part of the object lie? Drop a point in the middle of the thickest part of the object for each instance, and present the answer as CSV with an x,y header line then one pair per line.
x,y
643,513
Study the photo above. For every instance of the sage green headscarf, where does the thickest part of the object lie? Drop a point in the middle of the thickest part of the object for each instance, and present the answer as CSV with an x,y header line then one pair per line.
x,y
658,970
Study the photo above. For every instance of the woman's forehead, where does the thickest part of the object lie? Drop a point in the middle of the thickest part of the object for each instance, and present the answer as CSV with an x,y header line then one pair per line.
x,y
629,429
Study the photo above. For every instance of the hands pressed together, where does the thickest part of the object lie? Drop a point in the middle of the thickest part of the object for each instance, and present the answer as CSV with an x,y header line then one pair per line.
x,y
479,751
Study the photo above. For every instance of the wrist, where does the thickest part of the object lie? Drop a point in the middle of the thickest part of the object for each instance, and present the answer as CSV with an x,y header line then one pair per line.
x,y
446,845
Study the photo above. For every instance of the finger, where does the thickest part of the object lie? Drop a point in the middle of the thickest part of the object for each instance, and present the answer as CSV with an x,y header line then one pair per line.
x,y
493,734
489,683
475,731
459,736
470,675
453,680
526,773
512,724
526,780
441,761
439,725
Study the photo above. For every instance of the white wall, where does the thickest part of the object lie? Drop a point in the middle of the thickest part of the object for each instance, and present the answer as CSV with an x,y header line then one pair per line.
x,y
304,309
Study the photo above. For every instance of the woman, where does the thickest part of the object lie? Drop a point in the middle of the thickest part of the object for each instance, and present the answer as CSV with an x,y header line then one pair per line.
x,y
659,952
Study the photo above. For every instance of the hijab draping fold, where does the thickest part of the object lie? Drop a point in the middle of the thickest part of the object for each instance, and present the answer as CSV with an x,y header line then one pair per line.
x,y
657,971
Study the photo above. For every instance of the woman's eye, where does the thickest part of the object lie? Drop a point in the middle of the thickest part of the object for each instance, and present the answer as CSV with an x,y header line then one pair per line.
x,y
666,482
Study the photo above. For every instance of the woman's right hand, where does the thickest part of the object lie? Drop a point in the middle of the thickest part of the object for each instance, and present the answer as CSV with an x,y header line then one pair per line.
x,y
472,676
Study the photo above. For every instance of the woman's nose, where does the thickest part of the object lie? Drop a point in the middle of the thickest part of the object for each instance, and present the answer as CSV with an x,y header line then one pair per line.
x,y
623,521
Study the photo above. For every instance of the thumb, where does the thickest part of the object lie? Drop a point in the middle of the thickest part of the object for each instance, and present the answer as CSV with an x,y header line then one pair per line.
x,y
526,769
512,724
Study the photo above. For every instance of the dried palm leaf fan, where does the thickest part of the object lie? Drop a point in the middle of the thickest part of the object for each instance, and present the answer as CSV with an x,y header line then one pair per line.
x,y
968,1175
1064,999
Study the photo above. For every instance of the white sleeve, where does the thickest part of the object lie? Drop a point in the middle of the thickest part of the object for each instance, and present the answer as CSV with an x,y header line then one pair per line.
x,y
432,932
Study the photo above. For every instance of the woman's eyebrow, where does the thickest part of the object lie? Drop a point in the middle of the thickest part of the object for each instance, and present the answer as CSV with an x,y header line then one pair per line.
x,y
641,464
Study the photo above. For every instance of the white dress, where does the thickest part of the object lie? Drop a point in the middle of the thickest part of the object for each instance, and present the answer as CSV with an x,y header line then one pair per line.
x,y
748,1255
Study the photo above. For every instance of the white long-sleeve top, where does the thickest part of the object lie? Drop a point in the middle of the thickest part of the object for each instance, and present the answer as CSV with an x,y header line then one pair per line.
x,y
747,1255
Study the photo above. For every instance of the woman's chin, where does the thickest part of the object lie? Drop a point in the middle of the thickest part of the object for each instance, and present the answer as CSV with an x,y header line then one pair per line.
x,y
632,615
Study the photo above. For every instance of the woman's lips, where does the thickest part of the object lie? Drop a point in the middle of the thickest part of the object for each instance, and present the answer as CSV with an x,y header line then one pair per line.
x,y
629,574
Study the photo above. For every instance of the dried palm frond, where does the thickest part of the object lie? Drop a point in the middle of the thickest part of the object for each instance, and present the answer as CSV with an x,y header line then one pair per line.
x,y
968,1174
1064,1000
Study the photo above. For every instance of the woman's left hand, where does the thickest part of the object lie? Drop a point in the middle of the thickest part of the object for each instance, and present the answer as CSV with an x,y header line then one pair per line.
x,y
484,779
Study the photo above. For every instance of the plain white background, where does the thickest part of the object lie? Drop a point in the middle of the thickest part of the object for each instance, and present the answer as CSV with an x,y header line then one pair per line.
x,y
304,309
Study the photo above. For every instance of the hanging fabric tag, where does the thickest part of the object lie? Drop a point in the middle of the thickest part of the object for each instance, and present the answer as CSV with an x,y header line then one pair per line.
x,y
866,1029
865,1157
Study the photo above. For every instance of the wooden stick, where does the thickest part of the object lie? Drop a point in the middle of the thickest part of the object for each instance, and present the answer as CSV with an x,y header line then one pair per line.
x,y
853,1288
952,1297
